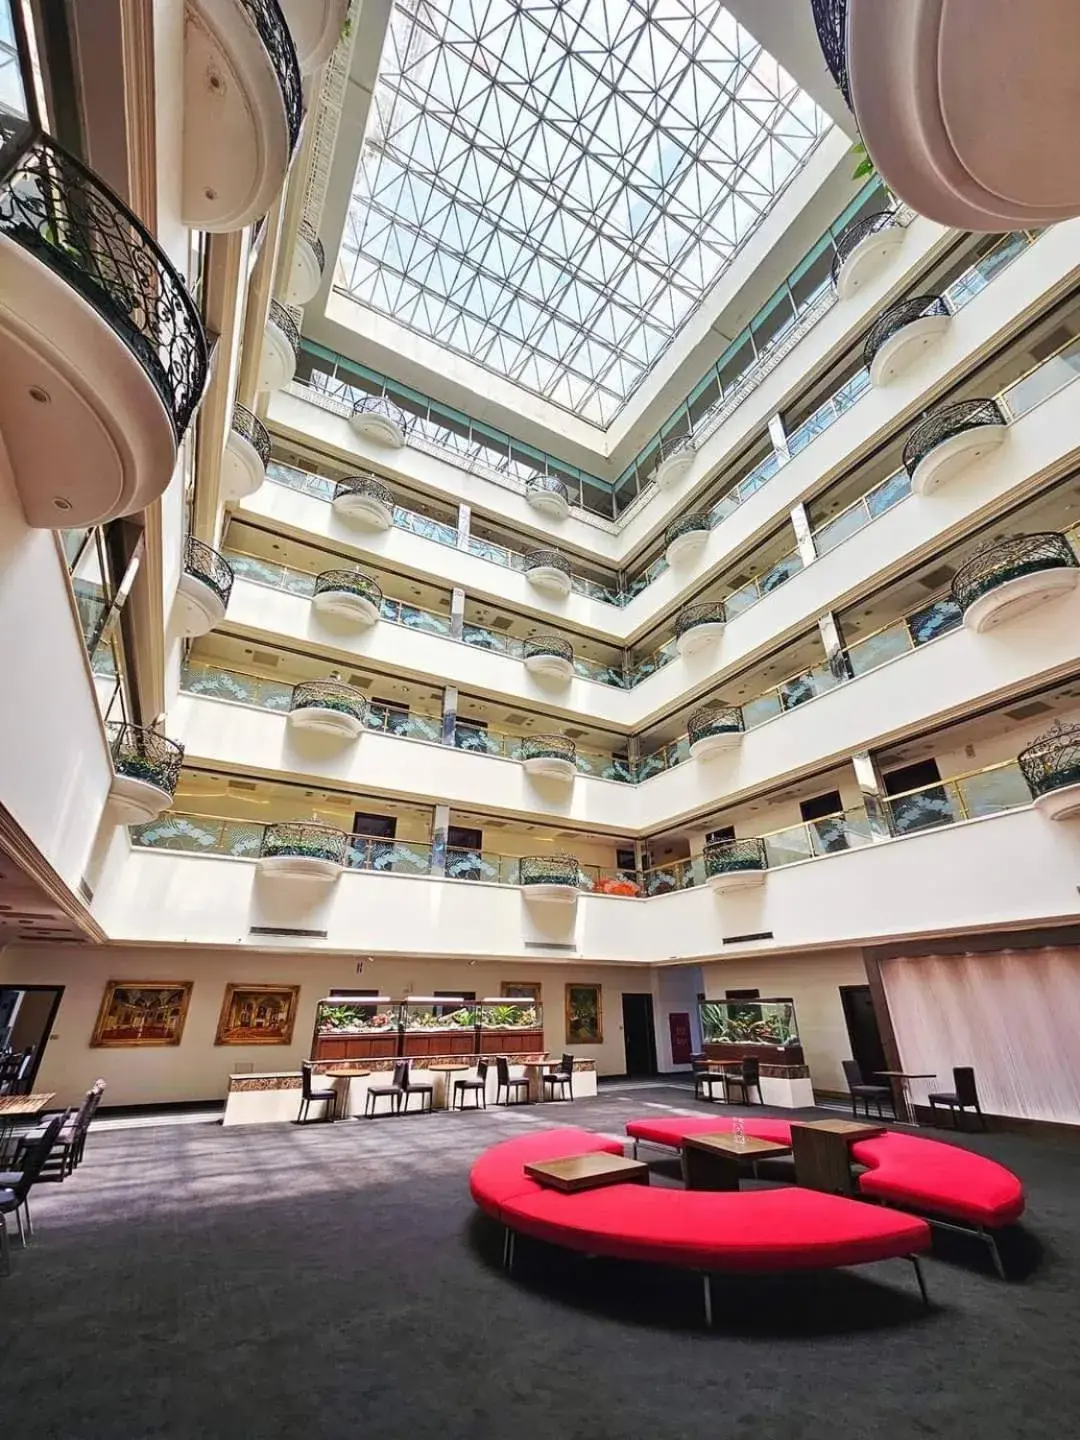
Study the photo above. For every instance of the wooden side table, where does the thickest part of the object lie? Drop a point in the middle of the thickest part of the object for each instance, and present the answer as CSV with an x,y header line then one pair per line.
x,y
822,1150
714,1162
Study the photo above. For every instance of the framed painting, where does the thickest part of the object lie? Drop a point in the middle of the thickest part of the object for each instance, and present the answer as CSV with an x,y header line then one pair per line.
x,y
142,1012
257,1015
584,1015
520,990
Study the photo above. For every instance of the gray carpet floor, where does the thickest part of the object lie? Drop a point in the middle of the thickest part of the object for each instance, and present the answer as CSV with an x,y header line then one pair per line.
x,y
335,1281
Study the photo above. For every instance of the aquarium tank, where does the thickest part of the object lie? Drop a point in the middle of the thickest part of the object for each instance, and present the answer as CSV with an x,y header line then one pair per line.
x,y
749,1022
357,1015
504,1013
439,1012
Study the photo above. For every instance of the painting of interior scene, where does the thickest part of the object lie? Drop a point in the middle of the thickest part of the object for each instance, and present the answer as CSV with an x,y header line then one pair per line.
x,y
257,1015
142,1012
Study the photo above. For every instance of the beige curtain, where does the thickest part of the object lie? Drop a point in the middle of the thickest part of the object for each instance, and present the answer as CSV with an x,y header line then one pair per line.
x,y
1014,1015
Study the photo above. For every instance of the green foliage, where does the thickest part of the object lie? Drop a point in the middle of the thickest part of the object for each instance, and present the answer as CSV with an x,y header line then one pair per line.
x,y
864,167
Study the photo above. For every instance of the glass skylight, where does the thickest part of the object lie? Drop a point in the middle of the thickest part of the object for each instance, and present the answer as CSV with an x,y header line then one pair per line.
x,y
550,187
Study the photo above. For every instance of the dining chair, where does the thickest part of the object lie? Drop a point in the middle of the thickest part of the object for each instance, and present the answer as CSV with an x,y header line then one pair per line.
x,y
309,1093
467,1085
14,1197
512,1084
424,1088
70,1138
858,1089
964,1096
705,1079
395,1091
563,1077
746,1078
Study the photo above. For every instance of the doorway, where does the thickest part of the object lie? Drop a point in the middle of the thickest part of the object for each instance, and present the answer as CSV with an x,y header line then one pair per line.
x,y
26,1019
862,1028
639,1035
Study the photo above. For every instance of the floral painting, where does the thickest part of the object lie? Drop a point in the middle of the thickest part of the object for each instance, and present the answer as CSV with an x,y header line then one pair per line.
x,y
257,1015
142,1012
584,1016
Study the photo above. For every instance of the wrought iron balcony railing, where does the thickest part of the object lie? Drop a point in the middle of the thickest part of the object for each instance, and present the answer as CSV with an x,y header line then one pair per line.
x,y
856,233
281,316
208,566
369,485
1002,560
384,406
1052,760
273,31
549,870
329,695
945,422
247,424
670,445
830,18
313,842
686,525
545,560
711,613
714,720
353,582
547,645
547,485
728,856
143,754
57,210
904,312
311,235
548,747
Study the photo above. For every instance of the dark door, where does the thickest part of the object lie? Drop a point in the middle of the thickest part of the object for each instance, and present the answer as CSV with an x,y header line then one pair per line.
x,y
27,1013
639,1034
464,858
862,1029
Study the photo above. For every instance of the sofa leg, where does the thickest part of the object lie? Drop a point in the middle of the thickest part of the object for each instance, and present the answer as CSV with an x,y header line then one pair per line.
x,y
635,1149
995,1253
919,1277
706,1281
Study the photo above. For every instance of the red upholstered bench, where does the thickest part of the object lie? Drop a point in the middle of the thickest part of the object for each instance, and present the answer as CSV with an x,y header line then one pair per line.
x,y
754,1230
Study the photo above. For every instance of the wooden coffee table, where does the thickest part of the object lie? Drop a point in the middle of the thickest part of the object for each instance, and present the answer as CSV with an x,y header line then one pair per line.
x,y
588,1172
713,1161
822,1151
851,1130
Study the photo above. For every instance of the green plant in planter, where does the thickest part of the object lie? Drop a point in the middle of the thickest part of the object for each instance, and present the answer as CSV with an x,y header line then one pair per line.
x,y
141,767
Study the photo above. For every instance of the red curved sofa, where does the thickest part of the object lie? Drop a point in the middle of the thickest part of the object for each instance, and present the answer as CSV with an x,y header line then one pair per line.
x,y
756,1230
943,1181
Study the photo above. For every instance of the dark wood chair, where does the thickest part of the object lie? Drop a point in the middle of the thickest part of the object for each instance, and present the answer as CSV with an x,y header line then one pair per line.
x,y
469,1086
563,1077
15,1197
747,1078
512,1084
964,1097
424,1088
705,1079
310,1093
395,1090
859,1090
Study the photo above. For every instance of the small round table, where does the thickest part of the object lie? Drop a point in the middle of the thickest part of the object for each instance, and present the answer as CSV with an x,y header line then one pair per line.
x,y
346,1073
534,1071
447,1069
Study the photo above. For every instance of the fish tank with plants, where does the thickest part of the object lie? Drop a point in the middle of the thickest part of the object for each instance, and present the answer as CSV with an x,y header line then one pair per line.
x,y
511,1025
439,1025
738,1028
357,1027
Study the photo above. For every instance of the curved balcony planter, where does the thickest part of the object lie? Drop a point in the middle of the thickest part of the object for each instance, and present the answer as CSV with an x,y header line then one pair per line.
x,y
552,756
377,418
247,454
1009,577
364,500
348,594
686,538
951,438
698,626
549,571
281,346
675,456
308,263
1051,767
316,27
714,729
549,655
549,877
206,581
969,110
102,351
863,251
242,111
303,852
328,707
549,495
902,333
735,864
146,768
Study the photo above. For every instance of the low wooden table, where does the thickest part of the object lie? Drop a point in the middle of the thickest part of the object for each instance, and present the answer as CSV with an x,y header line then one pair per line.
x,y
712,1161
574,1173
850,1129
822,1150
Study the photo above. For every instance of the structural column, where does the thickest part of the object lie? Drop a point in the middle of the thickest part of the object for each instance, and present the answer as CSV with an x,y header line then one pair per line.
x,y
449,714
804,538
464,520
439,828
457,613
872,789
833,641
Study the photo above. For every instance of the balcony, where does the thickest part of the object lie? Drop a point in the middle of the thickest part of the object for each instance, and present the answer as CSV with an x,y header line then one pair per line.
x,y
550,656
554,757
349,595
243,108
281,346
549,495
328,707
714,729
377,418
247,454
202,596
364,500
950,439
735,864
863,251
1050,766
308,264
699,626
102,351
300,851
901,334
686,538
1009,577
548,571
316,26
146,769
675,455
549,877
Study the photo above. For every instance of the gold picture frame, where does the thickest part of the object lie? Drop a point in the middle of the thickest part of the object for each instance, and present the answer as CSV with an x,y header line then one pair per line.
x,y
141,1013
521,990
257,1014
584,1015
